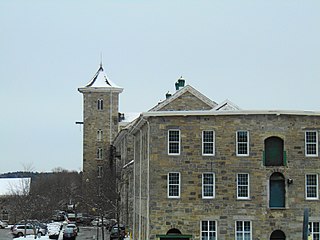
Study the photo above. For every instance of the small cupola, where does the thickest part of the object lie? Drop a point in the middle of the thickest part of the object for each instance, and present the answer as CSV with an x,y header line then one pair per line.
x,y
180,83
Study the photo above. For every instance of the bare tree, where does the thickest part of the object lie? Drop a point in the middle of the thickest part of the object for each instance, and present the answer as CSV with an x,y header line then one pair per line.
x,y
99,197
41,194
24,204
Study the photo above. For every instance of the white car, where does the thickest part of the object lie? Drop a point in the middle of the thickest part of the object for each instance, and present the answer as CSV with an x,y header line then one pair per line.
x,y
98,222
54,230
3,224
19,230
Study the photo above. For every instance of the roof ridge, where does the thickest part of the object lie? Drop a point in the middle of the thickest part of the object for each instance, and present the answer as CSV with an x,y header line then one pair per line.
x,y
178,93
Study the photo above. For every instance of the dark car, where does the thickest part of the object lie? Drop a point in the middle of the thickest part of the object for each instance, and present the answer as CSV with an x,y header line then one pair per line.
x,y
117,231
69,234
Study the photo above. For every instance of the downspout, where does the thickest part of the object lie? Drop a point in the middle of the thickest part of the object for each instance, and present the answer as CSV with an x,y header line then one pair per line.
x,y
134,188
140,182
148,180
110,120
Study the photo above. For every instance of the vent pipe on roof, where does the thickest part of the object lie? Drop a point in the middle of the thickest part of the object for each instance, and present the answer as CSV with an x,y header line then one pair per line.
x,y
121,117
168,94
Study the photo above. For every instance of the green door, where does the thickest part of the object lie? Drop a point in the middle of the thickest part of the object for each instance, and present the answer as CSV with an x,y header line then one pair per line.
x,y
277,191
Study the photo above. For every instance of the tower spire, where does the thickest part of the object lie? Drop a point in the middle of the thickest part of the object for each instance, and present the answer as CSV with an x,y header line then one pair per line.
x,y
101,60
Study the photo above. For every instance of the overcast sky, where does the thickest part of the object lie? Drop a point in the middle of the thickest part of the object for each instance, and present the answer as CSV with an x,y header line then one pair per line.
x,y
258,54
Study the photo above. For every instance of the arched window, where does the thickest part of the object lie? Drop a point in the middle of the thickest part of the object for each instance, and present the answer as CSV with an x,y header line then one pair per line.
x,y
99,135
99,153
277,191
99,175
100,104
274,154
174,234
277,235
174,231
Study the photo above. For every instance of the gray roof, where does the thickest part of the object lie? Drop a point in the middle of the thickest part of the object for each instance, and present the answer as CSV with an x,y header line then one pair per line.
x,y
100,81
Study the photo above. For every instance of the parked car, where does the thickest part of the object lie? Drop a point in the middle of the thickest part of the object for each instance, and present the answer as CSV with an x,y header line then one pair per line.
x,y
3,224
35,223
54,235
59,215
85,219
19,230
74,227
54,230
98,222
69,234
117,231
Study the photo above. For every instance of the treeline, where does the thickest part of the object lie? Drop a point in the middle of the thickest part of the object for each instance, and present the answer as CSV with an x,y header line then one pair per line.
x,y
47,192
22,174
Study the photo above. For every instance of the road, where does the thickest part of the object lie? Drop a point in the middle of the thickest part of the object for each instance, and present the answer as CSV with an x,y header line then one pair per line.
x,y
90,233
5,234
85,233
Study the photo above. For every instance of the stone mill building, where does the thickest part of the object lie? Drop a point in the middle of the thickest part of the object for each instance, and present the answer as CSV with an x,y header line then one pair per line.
x,y
191,168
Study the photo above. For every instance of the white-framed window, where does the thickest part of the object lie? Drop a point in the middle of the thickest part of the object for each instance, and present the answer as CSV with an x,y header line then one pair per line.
x,y
311,143
174,185
99,153
208,230
314,228
243,230
99,135
100,104
208,185
312,186
242,145
208,145
99,171
243,188
174,142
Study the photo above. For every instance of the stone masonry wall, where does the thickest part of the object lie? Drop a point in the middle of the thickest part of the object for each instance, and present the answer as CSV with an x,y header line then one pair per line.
x,y
187,212
186,102
94,120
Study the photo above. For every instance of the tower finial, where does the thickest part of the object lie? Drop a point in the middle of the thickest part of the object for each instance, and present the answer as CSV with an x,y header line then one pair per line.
x,y
100,59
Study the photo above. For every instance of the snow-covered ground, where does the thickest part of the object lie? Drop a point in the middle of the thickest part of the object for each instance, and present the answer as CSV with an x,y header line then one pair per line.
x,y
32,237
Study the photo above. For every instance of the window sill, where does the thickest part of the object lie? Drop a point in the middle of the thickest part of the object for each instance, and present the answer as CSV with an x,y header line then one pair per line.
x,y
243,199
277,208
